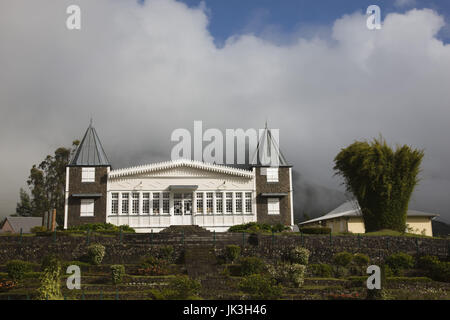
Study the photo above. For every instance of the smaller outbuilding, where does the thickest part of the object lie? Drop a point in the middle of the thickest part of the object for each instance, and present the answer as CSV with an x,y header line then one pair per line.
x,y
348,218
14,224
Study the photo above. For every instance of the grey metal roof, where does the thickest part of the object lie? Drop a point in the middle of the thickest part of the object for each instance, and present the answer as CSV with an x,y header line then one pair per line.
x,y
90,151
351,209
26,223
269,147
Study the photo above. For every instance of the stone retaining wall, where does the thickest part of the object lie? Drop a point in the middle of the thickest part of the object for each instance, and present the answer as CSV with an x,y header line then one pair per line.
x,y
131,247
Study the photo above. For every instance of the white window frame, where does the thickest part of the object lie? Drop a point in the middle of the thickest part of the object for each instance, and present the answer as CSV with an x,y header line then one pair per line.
x,y
88,174
115,203
273,206
87,207
272,174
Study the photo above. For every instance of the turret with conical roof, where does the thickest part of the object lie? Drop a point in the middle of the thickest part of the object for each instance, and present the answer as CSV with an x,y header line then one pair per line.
x,y
90,151
87,182
268,153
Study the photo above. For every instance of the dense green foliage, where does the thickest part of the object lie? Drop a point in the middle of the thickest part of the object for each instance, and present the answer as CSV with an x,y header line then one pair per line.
x,y
46,182
321,270
381,179
254,227
232,252
400,261
299,255
261,287
315,230
342,259
101,227
251,265
183,287
166,252
38,229
361,259
50,288
289,275
117,273
17,268
96,252
434,268
24,207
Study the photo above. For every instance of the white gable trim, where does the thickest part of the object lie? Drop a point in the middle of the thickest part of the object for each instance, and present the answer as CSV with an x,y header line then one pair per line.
x,y
180,163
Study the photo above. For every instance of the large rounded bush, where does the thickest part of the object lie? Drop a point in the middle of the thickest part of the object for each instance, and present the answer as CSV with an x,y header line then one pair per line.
x,y
251,265
342,259
96,252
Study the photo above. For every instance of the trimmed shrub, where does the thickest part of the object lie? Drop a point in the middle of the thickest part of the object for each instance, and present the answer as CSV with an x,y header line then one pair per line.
x,y
50,288
399,262
261,287
290,275
427,263
96,252
38,229
299,255
251,265
321,270
254,227
101,227
17,268
340,272
232,252
342,259
183,287
117,273
441,272
361,259
315,230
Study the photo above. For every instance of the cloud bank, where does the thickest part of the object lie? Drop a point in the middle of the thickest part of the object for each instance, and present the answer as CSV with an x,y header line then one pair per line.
x,y
142,71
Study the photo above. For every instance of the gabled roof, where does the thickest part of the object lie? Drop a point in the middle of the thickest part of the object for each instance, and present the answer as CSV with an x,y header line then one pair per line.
x,y
180,163
26,223
90,151
269,149
352,209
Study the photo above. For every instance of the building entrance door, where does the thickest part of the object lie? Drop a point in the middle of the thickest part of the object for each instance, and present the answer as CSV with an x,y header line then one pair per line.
x,y
182,209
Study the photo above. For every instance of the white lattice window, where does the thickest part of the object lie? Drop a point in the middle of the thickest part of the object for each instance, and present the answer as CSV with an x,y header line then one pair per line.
x,y
155,202
146,203
248,202
209,202
166,202
273,206
87,208
114,203
199,196
135,207
125,203
238,196
219,202
272,174
88,175
229,202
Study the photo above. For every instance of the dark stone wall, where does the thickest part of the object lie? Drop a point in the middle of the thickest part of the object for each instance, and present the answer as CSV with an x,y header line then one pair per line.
x,y
134,246
76,186
283,185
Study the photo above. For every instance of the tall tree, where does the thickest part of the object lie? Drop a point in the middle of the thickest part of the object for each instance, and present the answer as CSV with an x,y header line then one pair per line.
x,y
47,182
24,207
381,179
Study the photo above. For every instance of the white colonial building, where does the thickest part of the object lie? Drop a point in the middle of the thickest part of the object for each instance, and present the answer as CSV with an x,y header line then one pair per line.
x,y
152,197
